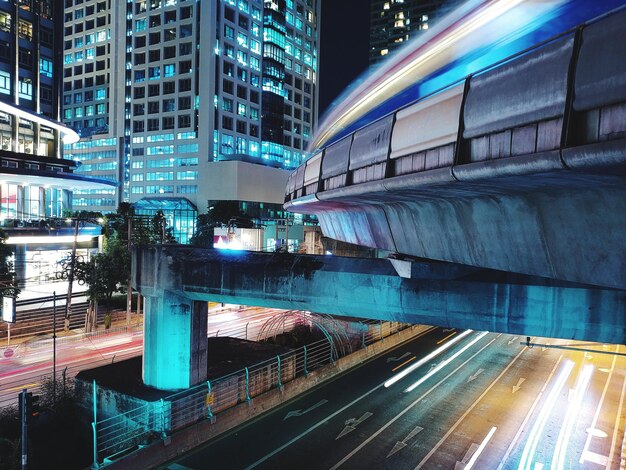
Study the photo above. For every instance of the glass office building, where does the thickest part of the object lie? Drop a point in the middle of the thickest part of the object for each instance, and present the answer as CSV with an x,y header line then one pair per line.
x,y
190,102
36,184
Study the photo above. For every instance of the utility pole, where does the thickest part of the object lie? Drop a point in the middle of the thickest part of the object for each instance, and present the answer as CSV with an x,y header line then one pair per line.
x,y
24,430
129,295
54,348
68,302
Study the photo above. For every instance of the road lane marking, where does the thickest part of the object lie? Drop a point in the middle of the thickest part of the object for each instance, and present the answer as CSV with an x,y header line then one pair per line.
x,y
593,457
352,423
616,428
403,364
468,411
460,465
480,449
396,359
475,375
528,415
408,408
511,341
319,423
585,451
519,384
403,443
449,336
300,412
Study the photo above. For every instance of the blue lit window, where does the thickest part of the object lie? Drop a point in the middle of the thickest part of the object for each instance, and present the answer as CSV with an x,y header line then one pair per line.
x,y
101,35
299,24
78,56
140,76
186,175
242,39
254,149
101,94
154,72
101,108
241,109
169,70
140,25
255,46
289,18
228,144
90,38
89,53
241,145
256,30
25,88
89,110
242,58
254,79
45,67
256,13
68,58
255,63
78,42
227,104
229,33
243,5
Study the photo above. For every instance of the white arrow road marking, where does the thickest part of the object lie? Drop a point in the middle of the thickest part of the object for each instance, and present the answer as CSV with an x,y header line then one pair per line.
x,y
519,384
352,423
300,413
460,465
396,359
403,443
476,374
511,341
448,330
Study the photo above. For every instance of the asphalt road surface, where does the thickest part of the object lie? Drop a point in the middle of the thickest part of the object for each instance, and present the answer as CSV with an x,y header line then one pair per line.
x,y
485,401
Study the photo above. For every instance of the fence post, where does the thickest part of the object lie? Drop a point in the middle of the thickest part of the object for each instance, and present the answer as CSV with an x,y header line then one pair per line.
x,y
306,372
247,330
362,338
247,385
93,425
209,400
163,433
380,326
280,385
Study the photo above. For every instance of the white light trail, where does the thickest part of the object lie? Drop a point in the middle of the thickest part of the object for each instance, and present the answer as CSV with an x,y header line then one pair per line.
x,y
481,447
558,460
447,361
535,433
425,359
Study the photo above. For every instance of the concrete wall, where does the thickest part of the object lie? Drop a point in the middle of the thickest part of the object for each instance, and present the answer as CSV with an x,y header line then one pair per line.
x,y
242,181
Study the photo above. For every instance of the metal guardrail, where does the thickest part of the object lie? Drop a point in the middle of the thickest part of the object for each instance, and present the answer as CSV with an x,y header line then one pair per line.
x,y
119,434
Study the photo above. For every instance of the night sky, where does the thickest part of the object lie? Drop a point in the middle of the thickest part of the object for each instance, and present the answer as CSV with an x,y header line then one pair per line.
x,y
344,45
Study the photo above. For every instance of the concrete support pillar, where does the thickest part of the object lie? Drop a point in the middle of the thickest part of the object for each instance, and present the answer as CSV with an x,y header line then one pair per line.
x,y
175,341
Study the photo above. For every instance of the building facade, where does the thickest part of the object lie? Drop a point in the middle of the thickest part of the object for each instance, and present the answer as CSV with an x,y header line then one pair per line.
x,y
36,184
177,99
393,22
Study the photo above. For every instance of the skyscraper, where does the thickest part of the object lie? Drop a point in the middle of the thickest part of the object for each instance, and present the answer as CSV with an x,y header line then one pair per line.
x,y
185,103
393,22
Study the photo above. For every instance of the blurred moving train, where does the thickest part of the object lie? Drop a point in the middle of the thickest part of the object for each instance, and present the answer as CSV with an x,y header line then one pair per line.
x,y
565,92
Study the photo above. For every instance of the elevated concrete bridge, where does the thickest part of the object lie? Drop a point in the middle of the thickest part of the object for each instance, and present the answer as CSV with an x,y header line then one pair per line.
x,y
177,282
519,168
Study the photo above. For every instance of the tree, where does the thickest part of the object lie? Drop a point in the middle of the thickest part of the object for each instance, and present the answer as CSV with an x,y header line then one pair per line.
x,y
8,284
104,274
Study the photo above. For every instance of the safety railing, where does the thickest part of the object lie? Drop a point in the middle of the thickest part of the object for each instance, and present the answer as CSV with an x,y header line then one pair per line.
x,y
122,433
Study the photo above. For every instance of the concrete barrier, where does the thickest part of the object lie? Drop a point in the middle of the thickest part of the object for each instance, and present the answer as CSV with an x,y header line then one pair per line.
x,y
186,439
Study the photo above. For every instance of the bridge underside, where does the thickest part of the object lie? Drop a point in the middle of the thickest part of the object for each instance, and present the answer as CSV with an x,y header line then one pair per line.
x,y
523,216
436,294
